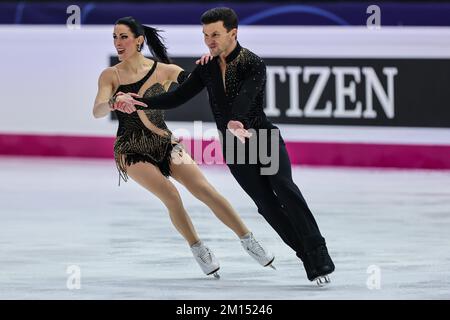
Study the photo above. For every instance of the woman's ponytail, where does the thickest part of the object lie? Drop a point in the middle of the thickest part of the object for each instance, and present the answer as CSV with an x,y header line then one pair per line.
x,y
155,44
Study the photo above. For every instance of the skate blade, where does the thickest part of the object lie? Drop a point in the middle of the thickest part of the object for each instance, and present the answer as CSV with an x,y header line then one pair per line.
x,y
322,280
270,264
215,273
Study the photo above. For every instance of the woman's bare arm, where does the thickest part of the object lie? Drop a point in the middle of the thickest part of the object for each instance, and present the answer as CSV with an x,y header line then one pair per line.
x,y
173,71
104,93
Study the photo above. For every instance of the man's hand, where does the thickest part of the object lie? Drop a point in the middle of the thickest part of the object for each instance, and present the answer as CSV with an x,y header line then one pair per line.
x,y
125,102
237,129
204,59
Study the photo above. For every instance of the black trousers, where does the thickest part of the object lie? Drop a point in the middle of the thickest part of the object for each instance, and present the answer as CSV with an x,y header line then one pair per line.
x,y
278,198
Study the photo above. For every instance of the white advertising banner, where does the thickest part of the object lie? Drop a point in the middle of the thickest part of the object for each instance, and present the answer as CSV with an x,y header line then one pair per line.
x,y
50,73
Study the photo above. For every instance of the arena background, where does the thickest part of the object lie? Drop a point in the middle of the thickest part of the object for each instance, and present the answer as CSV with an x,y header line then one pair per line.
x,y
343,93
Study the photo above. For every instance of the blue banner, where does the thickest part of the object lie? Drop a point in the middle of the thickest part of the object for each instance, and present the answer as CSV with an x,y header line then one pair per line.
x,y
333,14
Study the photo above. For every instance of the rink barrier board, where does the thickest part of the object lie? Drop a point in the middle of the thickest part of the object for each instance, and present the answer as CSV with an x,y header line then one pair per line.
x,y
408,156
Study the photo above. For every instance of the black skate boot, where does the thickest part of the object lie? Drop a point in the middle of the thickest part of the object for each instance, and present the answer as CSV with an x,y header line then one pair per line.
x,y
318,265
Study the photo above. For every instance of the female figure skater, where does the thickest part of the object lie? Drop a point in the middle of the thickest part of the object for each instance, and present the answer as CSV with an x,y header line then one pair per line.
x,y
145,148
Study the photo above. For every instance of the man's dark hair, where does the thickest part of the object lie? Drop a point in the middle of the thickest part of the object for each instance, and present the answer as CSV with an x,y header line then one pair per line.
x,y
226,15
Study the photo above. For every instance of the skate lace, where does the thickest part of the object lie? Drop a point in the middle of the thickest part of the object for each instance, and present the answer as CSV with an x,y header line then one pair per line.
x,y
256,248
205,255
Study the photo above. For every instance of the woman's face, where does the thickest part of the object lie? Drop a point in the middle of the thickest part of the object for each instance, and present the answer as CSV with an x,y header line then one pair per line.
x,y
125,42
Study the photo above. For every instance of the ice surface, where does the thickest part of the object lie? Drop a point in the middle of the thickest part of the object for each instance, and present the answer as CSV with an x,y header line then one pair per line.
x,y
56,213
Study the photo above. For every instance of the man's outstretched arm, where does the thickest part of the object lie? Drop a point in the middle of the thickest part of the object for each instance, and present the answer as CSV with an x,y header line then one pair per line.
x,y
183,93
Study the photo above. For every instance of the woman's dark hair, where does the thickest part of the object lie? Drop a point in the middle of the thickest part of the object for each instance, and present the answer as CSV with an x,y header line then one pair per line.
x,y
226,15
152,37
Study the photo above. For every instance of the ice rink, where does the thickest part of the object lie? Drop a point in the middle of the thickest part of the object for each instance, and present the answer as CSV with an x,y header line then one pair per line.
x,y
387,230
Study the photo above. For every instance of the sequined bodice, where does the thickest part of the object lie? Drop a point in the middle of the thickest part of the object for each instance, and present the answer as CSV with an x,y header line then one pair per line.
x,y
132,121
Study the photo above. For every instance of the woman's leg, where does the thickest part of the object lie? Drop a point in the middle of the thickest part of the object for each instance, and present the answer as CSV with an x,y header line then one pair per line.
x,y
186,172
149,176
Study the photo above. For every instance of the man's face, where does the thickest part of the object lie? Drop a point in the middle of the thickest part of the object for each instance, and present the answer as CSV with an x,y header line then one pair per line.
x,y
217,38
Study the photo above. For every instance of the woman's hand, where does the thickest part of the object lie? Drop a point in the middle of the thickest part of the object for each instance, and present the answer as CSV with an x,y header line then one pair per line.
x,y
125,102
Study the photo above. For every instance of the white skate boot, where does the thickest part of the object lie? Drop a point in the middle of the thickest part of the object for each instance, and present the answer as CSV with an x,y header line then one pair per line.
x,y
206,259
256,251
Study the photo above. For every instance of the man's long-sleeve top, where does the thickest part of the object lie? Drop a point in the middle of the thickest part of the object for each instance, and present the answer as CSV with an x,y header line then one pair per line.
x,y
241,99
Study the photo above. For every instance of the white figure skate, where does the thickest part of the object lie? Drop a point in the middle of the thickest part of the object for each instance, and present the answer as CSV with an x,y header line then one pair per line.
x,y
206,259
257,251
